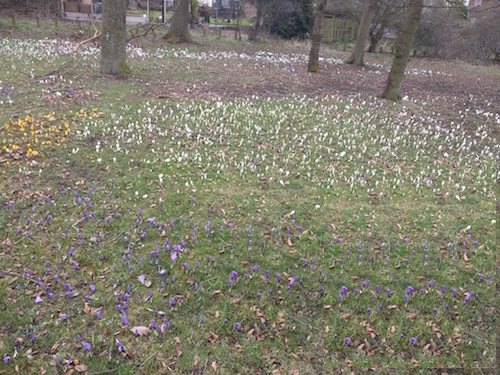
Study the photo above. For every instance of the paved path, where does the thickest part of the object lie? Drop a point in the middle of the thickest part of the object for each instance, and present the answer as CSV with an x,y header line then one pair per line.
x,y
96,17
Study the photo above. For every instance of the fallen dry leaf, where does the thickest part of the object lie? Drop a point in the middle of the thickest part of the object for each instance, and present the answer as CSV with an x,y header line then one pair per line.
x,y
140,330
81,367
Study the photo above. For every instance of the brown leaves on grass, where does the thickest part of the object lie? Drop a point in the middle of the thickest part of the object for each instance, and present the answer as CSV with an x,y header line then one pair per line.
x,y
140,330
73,96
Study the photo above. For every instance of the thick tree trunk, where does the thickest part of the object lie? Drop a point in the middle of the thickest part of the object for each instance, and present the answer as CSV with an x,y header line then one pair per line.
x,y
179,27
356,57
402,51
317,35
114,37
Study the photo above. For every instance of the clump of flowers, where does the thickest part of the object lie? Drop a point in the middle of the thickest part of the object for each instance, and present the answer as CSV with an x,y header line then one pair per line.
x,y
26,138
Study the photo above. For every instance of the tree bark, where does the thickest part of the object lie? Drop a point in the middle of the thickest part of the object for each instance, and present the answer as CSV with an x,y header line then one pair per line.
x,y
317,35
357,55
402,51
114,37
179,27
260,14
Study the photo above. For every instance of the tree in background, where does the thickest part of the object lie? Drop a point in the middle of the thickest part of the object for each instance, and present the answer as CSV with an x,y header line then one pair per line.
x,y
389,15
179,26
317,35
356,57
455,32
114,37
260,5
402,50
289,18
284,18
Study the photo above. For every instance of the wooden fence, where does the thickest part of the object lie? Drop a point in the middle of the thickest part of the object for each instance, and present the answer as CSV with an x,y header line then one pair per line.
x,y
339,30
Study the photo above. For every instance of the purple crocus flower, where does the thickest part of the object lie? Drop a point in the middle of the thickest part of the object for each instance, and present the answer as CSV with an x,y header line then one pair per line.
x,y
413,340
86,346
278,277
124,320
347,340
410,290
237,326
6,358
234,275
344,290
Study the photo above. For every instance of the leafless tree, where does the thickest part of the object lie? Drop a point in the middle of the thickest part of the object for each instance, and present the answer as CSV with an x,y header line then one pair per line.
x,y
356,57
179,27
317,34
402,50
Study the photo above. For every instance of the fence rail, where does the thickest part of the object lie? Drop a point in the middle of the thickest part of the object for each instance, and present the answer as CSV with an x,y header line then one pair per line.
x,y
339,29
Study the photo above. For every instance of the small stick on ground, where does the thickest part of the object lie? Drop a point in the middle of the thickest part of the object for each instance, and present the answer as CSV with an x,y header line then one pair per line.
x,y
477,337
303,323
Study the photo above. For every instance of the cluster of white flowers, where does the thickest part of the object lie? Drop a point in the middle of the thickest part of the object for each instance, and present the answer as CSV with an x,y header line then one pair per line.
x,y
352,143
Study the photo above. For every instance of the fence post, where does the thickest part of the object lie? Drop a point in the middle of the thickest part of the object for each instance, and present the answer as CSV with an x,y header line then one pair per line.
x,y
334,29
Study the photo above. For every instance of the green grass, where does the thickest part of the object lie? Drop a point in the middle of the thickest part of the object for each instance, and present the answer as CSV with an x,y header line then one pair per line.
x,y
326,192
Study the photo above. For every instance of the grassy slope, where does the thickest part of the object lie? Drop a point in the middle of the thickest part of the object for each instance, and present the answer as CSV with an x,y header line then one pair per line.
x,y
322,192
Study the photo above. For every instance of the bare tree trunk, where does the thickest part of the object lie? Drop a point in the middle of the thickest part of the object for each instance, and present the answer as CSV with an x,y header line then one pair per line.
x,y
114,37
402,51
356,57
260,14
179,27
317,35
375,38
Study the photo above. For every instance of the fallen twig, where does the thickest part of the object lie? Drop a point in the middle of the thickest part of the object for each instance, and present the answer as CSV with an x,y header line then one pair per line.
x,y
303,323
97,34
479,338
19,275
147,29
103,372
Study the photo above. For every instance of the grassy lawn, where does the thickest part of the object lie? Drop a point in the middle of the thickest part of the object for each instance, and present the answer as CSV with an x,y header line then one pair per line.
x,y
197,217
